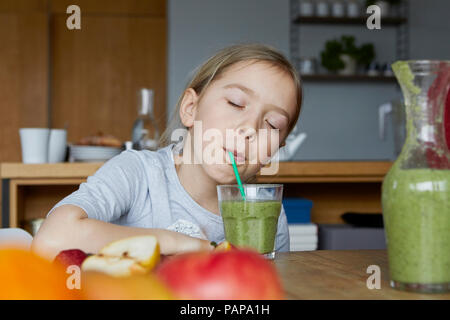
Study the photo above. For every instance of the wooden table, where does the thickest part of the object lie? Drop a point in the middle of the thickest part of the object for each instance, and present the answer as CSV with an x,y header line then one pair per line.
x,y
338,275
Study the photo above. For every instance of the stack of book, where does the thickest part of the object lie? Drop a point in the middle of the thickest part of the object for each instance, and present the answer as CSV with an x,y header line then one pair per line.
x,y
303,236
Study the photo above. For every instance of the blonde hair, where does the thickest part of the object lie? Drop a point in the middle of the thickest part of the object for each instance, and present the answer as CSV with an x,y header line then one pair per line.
x,y
219,63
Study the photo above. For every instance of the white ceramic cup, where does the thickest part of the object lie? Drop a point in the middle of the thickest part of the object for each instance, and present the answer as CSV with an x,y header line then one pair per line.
x,y
34,142
57,145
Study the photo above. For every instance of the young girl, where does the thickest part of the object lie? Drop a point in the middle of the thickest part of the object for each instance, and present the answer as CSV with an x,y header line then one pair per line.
x,y
237,93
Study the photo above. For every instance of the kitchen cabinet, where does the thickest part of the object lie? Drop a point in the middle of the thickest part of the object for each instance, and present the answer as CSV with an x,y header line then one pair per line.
x,y
98,70
32,190
24,71
86,80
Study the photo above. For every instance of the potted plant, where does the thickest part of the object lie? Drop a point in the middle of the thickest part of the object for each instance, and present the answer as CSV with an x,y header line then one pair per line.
x,y
342,56
349,55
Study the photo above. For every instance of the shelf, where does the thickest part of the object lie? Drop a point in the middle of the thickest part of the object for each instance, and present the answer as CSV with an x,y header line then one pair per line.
x,y
329,172
295,171
346,20
351,78
48,170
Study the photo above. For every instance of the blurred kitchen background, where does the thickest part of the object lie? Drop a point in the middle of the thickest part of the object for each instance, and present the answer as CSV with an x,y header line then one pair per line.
x,y
87,82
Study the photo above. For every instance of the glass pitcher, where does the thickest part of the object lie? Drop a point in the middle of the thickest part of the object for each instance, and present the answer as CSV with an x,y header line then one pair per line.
x,y
416,190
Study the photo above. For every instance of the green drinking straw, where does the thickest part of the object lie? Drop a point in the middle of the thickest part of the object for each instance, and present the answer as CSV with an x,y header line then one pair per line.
x,y
236,173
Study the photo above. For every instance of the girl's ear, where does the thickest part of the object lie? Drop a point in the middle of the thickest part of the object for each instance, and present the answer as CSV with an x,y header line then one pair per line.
x,y
188,107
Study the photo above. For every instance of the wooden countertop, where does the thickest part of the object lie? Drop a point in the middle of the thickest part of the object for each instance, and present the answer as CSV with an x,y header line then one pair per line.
x,y
48,170
340,275
294,172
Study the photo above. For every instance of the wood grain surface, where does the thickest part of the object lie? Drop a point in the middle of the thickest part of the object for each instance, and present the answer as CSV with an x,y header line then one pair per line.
x,y
23,78
296,171
326,274
49,170
98,70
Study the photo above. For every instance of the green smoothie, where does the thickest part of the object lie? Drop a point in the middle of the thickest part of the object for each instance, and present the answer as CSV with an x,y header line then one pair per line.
x,y
416,199
251,223
416,212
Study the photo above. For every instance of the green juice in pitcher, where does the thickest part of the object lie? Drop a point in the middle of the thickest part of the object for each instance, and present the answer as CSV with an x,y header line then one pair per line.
x,y
416,206
416,190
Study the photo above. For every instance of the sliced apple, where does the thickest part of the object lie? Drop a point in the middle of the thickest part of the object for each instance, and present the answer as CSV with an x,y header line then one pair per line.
x,y
113,266
125,257
143,249
224,246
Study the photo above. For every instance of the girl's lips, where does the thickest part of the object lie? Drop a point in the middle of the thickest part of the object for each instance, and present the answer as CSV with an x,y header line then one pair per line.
x,y
238,157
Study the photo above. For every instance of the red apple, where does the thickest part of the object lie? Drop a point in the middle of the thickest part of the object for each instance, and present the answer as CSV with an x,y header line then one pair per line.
x,y
71,257
221,275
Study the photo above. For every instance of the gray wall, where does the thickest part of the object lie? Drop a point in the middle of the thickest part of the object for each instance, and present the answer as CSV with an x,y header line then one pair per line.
x,y
341,119
430,29
198,28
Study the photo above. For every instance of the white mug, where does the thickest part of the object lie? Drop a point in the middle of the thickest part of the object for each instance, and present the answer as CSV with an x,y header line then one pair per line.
x,y
57,145
337,9
34,142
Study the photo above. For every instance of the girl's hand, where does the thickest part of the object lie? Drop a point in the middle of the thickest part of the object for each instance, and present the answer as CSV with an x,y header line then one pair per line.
x,y
91,235
183,243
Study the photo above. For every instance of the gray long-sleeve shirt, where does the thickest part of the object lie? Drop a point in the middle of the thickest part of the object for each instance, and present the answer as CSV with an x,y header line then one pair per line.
x,y
142,189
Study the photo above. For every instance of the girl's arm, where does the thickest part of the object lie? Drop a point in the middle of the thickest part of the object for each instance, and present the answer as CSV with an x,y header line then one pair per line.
x,y
68,227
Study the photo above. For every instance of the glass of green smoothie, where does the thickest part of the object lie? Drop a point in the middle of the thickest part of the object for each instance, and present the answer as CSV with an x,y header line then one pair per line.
x,y
251,222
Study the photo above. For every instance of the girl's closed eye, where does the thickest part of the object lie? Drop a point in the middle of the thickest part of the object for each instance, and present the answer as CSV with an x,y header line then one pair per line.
x,y
276,123
271,125
235,104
